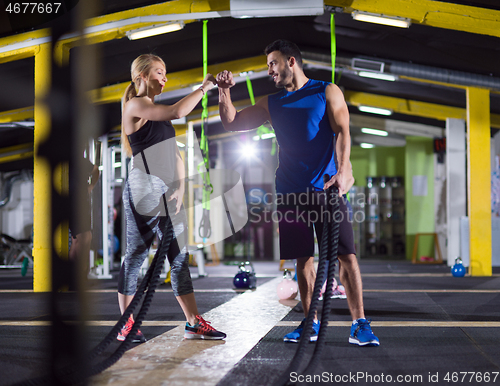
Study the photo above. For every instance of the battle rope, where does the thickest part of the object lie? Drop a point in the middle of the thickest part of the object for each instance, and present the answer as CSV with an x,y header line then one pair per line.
x,y
332,241
328,251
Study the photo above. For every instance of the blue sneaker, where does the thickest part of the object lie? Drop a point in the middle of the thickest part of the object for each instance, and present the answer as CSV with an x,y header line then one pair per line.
x,y
361,333
295,335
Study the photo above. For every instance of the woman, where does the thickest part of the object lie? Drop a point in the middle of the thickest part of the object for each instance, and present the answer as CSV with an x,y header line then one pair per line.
x,y
157,172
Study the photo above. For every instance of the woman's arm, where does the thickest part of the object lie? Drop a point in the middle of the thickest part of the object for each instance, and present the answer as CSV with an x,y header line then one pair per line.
x,y
146,109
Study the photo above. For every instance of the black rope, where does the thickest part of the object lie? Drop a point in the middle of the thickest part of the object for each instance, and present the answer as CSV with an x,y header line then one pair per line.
x,y
332,237
328,251
74,373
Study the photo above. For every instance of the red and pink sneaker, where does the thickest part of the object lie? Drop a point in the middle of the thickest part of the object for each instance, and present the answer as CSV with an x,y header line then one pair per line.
x,y
202,330
122,335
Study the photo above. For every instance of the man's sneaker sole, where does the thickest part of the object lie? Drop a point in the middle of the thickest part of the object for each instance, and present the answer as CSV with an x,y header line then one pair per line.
x,y
370,343
313,338
190,335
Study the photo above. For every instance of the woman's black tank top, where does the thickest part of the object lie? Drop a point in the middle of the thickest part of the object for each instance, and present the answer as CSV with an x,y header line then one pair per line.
x,y
151,133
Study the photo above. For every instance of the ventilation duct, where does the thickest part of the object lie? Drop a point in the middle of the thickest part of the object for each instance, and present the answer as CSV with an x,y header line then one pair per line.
x,y
277,8
9,182
416,71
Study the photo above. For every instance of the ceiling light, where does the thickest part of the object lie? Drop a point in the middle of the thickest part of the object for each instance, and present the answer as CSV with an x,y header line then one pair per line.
x,y
377,75
264,136
366,145
374,110
393,21
154,30
381,133
180,144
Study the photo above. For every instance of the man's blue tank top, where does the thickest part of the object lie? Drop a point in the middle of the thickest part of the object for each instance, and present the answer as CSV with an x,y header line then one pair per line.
x,y
305,138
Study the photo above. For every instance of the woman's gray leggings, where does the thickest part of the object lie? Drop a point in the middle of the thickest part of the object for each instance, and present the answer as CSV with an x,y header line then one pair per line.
x,y
141,231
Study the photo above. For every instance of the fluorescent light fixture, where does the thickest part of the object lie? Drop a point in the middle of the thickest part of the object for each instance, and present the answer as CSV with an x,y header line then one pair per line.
x,y
393,21
381,133
268,135
377,75
180,144
154,30
366,145
374,110
264,136
180,121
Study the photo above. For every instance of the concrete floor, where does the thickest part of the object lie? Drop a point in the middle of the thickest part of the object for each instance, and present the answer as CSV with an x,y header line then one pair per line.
x,y
434,329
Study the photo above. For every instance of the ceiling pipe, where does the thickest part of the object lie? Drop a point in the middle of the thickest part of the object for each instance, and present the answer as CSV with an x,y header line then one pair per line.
x,y
436,74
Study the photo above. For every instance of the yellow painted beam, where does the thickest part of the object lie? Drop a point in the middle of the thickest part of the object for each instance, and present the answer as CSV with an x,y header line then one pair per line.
x,y
428,81
409,107
16,157
431,13
113,32
18,54
170,7
181,79
27,39
42,243
479,180
17,115
113,93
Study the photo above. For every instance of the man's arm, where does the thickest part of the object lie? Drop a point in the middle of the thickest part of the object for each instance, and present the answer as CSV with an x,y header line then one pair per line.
x,y
247,119
338,115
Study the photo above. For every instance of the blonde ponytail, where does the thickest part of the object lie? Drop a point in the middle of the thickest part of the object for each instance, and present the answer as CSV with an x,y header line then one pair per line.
x,y
129,93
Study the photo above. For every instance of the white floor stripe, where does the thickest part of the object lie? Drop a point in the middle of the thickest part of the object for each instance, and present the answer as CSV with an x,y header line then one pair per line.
x,y
399,323
171,360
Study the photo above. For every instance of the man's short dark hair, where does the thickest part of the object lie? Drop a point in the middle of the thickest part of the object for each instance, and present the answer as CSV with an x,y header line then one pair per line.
x,y
287,48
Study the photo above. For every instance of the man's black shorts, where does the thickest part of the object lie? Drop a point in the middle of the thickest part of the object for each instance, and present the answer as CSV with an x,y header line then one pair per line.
x,y
299,214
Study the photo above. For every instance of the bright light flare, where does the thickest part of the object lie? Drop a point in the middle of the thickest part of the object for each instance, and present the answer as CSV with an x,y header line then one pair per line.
x,y
248,150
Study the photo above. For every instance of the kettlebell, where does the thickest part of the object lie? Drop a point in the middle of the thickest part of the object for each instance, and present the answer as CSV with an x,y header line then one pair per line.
x,y
288,288
458,270
245,278
323,289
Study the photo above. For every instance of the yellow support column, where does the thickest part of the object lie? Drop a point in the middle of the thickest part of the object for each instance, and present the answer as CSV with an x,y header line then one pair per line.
x,y
42,243
479,180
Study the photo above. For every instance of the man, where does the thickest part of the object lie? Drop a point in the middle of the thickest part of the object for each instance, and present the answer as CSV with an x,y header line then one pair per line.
x,y
81,231
311,122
